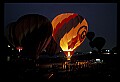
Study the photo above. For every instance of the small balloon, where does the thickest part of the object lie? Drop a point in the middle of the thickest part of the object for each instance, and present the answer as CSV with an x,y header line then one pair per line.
x,y
90,35
99,42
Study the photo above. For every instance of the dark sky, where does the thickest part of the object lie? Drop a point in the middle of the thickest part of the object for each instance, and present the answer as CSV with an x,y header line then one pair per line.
x,y
101,17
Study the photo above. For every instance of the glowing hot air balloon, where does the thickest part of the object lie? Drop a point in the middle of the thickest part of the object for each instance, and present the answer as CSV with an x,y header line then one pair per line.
x,y
69,31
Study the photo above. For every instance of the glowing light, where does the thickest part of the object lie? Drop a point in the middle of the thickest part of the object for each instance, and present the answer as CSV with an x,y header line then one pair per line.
x,y
115,53
69,31
106,53
8,45
8,58
50,76
19,48
90,52
68,55
98,60
108,50
12,48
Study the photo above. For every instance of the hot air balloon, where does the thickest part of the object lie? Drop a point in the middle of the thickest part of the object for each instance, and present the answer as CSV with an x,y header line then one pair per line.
x,y
69,31
90,35
99,42
91,43
32,32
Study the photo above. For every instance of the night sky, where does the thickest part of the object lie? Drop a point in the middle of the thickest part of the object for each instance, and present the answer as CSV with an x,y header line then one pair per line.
x,y
101,17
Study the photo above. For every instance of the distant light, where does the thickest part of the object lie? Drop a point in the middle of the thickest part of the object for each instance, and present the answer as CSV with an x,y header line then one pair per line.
x,y
8,58
18,56
115,53
12,48
60,51
8,45
101,60
98,60
90,52
108,50
106,53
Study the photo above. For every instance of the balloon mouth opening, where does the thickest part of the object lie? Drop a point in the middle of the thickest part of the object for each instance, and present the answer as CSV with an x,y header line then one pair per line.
x,y
19,48
69,54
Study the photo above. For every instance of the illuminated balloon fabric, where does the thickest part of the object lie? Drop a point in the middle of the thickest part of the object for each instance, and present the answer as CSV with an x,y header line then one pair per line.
x,y
33,32
69,30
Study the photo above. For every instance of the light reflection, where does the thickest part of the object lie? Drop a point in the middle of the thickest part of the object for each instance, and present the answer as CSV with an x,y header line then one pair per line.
x,y
50,76
77,65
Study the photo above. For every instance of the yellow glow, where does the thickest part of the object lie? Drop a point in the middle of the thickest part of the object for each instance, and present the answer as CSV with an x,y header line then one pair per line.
x,y
63,43
68,58
67,38
72,39
68,54
70,34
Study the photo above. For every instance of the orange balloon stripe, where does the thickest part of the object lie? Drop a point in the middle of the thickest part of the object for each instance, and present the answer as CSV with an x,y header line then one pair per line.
x,y
59,25
60,18
70,38
72,43
75,41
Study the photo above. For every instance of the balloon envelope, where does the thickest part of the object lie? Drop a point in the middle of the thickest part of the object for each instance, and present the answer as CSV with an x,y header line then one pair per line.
x,y
90,35
33,32
99,42
69,31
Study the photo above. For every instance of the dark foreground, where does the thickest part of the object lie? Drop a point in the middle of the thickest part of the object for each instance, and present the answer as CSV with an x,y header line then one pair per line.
x,y
100,72
84,71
